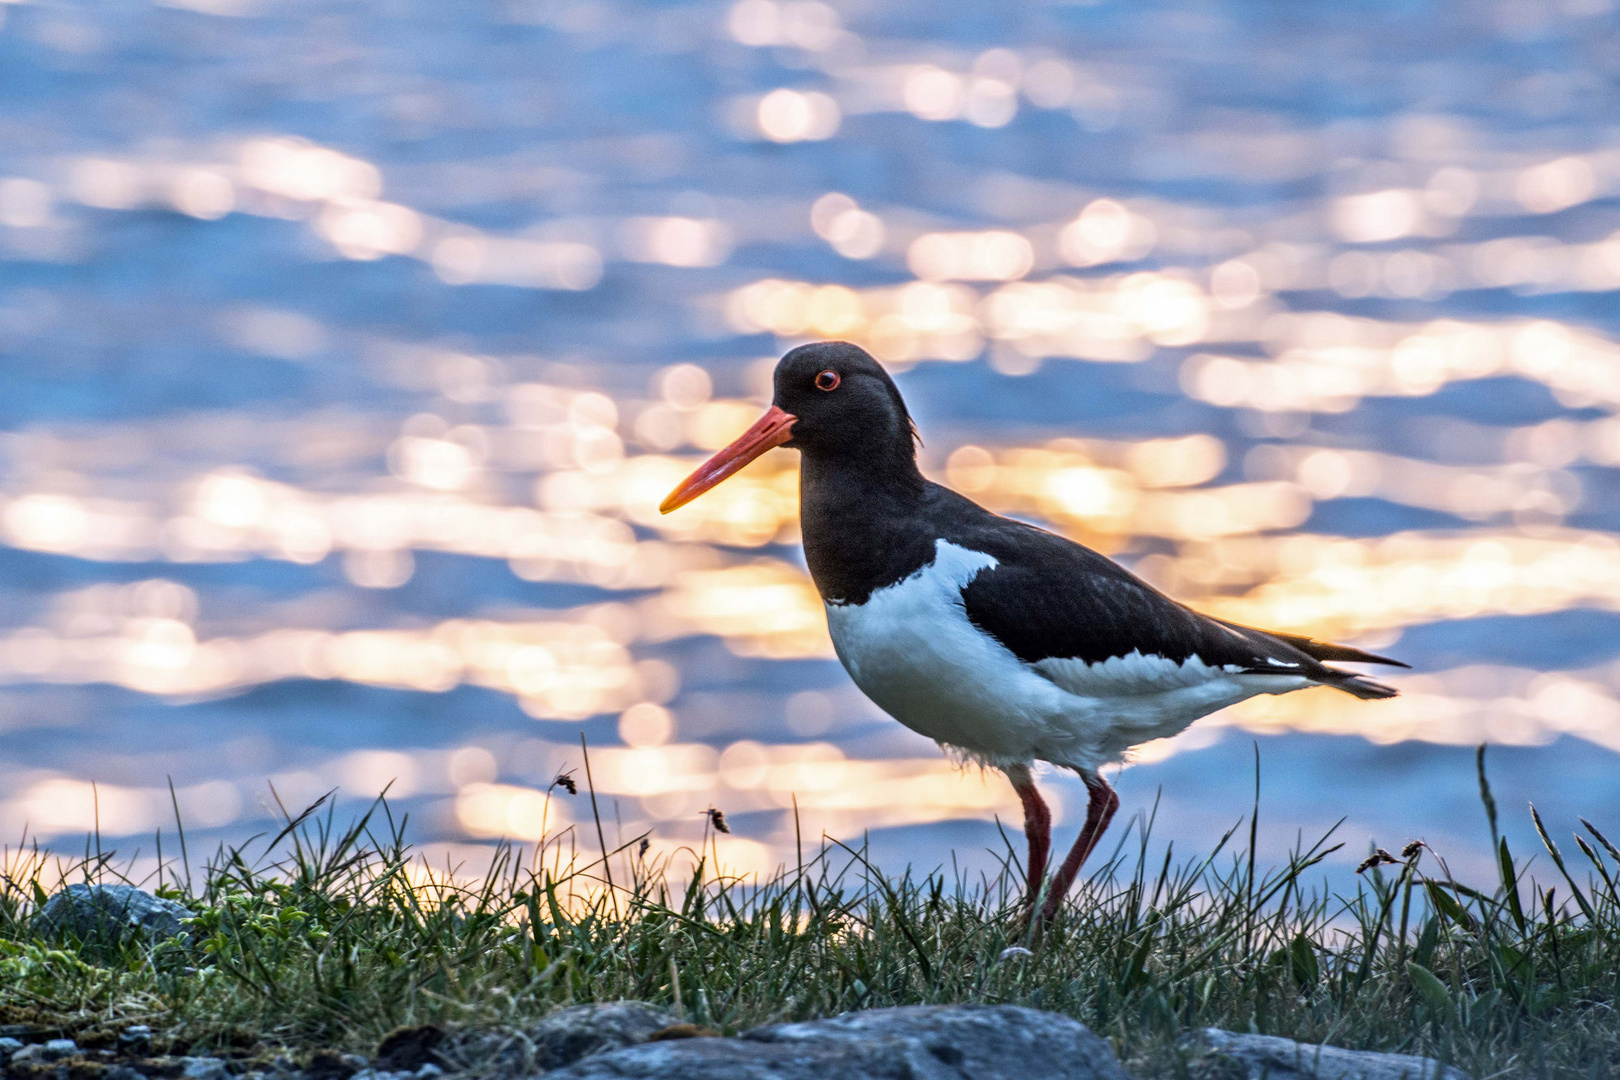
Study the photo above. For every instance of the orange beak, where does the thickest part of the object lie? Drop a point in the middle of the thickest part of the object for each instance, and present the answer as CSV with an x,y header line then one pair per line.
x,y
771,430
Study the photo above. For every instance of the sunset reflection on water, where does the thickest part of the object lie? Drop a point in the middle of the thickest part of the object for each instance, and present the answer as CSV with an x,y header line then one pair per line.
x,y
334,443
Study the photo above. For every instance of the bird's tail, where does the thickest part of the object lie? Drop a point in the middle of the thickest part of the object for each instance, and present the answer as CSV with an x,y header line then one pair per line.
x,y
1323,650
1360,686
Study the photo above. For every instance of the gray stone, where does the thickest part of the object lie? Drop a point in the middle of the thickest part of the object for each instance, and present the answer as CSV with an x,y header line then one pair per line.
x,y
9,1046
1268,1057
57,1049
32,1052
136,1039
570,1034
204,1068
121,1072
91,911
920,1042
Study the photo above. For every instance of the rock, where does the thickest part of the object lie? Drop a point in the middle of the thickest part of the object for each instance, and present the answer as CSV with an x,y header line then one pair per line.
x,y
57,1049
9,1046
110,911
408,1048
40,1053
203,1068
920,1042
136,1040
682,1031
326,1065
1267,1057
570,1034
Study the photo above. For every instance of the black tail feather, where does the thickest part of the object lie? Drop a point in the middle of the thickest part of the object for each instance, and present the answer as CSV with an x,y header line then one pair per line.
x,y
1325,650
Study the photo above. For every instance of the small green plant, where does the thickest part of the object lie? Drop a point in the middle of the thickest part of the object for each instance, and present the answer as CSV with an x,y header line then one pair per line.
x,y
329,937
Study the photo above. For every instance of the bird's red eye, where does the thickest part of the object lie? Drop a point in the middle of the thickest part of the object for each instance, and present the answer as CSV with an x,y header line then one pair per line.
x,y
827,380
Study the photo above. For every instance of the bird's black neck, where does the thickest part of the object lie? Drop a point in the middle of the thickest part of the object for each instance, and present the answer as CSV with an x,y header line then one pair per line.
x,y
862,523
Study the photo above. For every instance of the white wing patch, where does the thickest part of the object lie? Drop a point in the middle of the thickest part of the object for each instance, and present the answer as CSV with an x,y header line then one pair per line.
x,y
953,567
1136,673
958,565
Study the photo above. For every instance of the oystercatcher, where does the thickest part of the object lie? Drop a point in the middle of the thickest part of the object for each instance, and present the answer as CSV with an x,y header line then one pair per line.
x,y
1003,642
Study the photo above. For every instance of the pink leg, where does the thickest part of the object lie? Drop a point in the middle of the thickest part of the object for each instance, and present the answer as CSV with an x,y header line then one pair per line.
x,y
1099,813
1037,829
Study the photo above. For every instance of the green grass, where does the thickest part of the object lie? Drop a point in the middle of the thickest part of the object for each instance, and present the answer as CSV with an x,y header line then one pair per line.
x,y
327,937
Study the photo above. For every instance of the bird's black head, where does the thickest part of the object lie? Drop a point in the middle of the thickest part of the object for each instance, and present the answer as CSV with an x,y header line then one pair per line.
x,y
833,402
843,403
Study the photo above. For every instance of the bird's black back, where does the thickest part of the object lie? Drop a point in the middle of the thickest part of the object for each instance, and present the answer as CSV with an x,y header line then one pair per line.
x,y
1047,597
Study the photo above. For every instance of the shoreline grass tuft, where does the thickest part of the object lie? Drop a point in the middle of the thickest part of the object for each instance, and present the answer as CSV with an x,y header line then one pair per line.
x,y
328,937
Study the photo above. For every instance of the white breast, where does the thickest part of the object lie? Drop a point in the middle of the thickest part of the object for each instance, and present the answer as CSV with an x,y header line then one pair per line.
x,y
913,651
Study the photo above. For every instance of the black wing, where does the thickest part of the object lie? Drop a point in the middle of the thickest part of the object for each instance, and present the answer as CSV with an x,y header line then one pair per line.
x,y
1050,597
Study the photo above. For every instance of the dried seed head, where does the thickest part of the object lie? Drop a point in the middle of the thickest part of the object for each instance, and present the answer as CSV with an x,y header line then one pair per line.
x,y
641,849
1377,858
718,820
566,782
1410,851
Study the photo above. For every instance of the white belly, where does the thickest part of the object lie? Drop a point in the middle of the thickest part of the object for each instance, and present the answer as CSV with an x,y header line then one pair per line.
x,y
911,649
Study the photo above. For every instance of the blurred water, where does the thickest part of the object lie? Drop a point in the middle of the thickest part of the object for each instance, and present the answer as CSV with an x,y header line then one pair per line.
x,y
346,350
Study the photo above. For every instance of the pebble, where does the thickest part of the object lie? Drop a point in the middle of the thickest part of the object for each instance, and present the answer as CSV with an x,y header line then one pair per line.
x,y
136,1039
204,1068
57,1049
428,1072
9,1046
